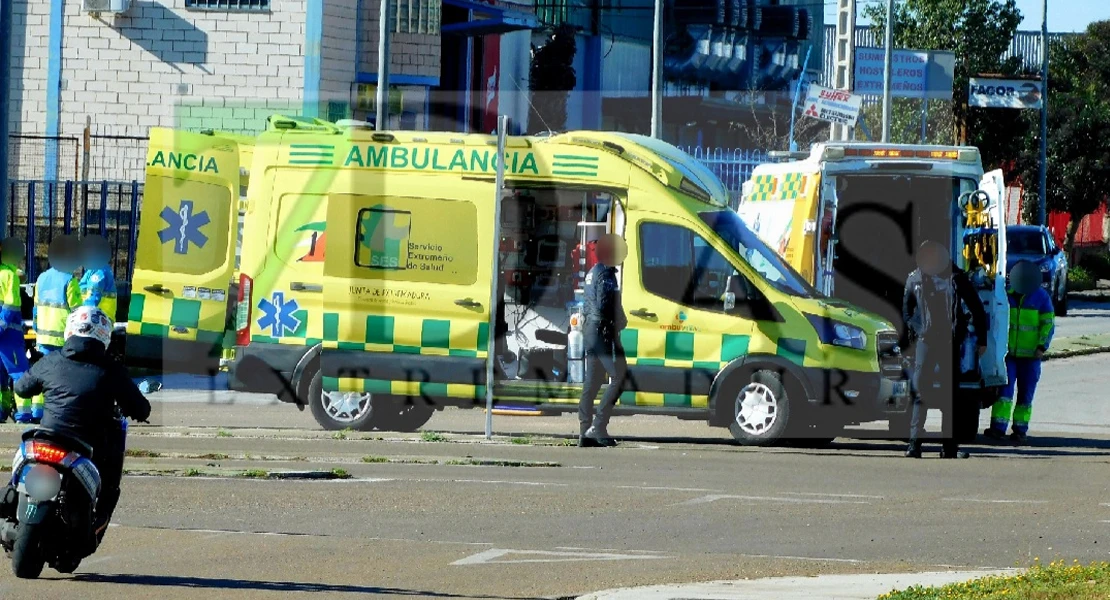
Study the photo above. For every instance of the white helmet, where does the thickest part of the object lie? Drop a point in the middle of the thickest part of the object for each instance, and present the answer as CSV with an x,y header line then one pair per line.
x,y
90,322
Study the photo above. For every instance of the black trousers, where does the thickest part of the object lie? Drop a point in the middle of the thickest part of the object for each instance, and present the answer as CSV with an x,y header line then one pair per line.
x,y
934,384
108,457
604,356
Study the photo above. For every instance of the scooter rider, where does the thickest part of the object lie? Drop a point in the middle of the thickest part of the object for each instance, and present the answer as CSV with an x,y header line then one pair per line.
x,y
83,388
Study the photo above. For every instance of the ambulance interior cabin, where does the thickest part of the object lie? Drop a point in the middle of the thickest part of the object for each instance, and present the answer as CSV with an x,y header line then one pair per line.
x,y
548,243
881,219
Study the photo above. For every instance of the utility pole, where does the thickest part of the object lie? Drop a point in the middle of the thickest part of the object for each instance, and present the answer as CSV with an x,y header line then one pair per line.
x,y
1042,201
381,120
845,55
6,9
888,68
657,73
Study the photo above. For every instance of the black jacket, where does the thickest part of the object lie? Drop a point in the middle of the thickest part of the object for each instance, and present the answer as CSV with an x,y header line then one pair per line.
x,y
923,308
601,302
82,387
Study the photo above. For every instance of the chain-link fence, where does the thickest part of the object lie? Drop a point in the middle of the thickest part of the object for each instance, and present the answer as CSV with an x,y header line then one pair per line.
x,y
115,153
43,157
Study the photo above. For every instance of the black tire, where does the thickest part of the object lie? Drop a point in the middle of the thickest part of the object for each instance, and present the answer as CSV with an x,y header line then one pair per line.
x,y
363,422
759,430
402,414
1061,304
27,556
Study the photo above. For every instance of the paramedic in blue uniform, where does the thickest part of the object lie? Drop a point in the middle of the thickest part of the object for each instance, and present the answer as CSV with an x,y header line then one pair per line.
x,y
604,318
98,284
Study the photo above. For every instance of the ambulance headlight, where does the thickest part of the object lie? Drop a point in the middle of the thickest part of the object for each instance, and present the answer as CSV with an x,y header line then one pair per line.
x,y
835,333
42,483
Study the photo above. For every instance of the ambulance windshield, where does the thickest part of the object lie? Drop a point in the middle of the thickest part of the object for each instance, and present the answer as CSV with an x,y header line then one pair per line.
x,y
781,276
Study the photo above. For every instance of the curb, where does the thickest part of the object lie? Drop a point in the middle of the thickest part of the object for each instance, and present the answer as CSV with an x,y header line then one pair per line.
x,y
1074,353
840,587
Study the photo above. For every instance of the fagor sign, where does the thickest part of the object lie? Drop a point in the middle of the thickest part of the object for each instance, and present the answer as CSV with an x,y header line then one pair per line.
x,y
1005,93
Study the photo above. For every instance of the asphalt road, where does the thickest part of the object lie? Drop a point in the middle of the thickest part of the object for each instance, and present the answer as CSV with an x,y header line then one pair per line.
x,y
1084,318
447,517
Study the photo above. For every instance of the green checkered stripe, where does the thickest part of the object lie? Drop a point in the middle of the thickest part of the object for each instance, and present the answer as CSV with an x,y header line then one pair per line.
x,y
702,351
766,187
411,335
184,313
412,389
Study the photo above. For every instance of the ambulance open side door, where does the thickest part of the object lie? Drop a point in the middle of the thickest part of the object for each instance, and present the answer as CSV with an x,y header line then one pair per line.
x,y
185,253
993,364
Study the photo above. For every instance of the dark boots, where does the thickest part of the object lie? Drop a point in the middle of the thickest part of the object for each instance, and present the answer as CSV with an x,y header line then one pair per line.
x,y
594,436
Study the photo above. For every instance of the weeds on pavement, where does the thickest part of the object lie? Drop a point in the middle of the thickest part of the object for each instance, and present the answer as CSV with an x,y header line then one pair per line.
x,y
1055,581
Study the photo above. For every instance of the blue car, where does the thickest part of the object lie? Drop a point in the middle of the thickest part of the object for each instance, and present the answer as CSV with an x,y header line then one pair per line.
x,y
1035,244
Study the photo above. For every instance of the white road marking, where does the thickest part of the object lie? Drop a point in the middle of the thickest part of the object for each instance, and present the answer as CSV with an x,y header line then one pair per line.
x,y
218,532
833,495
985,501
811,558
663,488
492,555
787,500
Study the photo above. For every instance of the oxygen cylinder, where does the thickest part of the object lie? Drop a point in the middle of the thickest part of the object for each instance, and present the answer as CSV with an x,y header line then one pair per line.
x,y
576,351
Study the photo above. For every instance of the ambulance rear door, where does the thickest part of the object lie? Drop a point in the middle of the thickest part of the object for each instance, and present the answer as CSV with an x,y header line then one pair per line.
x,y
993,364
185,254
781,208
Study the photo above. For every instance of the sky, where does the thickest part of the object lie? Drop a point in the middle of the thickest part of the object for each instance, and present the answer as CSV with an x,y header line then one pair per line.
x,y
1063,15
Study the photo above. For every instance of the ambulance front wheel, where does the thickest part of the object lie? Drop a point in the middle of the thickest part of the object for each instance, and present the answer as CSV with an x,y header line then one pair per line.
x,y
760,410
335,411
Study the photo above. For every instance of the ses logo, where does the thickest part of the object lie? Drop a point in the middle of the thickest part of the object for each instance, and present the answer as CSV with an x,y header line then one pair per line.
x,y
384,238
679,323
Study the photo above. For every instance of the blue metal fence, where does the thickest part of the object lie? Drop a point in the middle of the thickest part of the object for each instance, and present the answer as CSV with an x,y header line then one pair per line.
x,y
732,165
42,210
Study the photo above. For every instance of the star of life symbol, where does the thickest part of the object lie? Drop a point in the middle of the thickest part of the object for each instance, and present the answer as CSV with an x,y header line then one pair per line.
x,y
183,227
277,315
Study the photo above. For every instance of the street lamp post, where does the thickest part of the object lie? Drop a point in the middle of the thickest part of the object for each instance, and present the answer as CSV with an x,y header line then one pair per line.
x,y
887,68
1044,118
657,73
382,117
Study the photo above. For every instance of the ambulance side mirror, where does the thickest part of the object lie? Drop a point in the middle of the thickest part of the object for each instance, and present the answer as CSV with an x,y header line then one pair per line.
x,y
735,292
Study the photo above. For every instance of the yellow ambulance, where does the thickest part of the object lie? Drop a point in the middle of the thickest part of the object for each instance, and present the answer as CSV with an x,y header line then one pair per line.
x,y
849,216
367,271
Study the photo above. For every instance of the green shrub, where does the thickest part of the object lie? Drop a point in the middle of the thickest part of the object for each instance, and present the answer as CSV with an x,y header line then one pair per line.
x,y
1055,581
1080,279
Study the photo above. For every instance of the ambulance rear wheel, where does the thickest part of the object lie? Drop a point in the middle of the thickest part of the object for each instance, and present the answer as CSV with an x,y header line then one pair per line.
x,y
402,414
760,410
335,411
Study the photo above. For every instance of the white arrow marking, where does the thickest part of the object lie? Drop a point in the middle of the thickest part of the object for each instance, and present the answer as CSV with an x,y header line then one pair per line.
x,y
490,557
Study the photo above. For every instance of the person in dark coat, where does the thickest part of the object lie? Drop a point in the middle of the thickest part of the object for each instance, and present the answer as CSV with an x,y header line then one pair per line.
x,y
932,309
83,387
604,318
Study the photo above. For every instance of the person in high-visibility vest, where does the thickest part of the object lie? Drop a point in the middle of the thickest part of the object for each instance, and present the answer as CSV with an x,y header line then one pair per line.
x,y
13,347
98,284
57,294
1032,325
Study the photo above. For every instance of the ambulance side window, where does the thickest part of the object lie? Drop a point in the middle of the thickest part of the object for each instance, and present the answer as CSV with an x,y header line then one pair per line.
x,y
681,266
